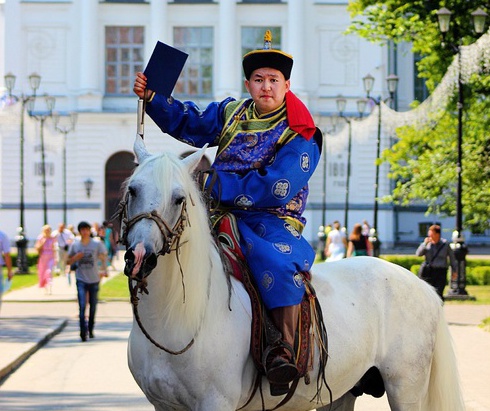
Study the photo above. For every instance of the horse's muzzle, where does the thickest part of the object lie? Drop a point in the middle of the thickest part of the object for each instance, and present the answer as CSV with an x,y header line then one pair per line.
x,y
149,263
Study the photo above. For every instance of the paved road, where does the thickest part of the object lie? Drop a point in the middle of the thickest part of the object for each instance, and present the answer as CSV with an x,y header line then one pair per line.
x,y
68,374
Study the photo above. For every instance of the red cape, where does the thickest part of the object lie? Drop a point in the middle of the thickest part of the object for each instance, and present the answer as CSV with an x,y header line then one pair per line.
x,y
299,118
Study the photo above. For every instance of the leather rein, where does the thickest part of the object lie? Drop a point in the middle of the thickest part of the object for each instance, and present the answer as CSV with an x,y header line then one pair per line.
x,y
171,242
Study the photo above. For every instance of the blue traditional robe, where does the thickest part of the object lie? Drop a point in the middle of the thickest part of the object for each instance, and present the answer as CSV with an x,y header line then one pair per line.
x,y
263,169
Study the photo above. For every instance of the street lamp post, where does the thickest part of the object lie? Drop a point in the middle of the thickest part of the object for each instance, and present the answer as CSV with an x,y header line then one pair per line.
x,y
458,283
64,130
361,106
322,236
368,82
42,117
21,238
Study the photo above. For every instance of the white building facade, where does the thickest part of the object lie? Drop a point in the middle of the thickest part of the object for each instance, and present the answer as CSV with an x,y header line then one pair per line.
x,y
87,52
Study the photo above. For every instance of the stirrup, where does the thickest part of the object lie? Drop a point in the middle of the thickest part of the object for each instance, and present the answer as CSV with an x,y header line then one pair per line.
x,y
280,371
277,345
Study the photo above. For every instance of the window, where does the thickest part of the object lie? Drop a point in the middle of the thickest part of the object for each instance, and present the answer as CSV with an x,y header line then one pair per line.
x,y
124,58
424,227
253,39
196,79
420,91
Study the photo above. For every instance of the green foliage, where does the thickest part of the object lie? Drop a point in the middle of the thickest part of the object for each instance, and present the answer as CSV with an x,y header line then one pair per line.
x,y
477,270
406,261
31,259
485,324
478,275
423,161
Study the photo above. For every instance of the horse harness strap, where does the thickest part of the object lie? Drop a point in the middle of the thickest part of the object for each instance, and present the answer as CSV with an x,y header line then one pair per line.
x,y
134,302
171,236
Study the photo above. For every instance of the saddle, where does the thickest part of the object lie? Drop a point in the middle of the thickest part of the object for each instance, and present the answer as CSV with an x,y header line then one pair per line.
x,y
264,333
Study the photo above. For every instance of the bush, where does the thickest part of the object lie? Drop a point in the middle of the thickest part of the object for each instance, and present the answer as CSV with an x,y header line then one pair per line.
x,y
31,259
406,261
415,269
477,270
478,275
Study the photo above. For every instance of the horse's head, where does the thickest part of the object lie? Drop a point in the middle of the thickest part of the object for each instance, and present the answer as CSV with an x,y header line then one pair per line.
x,y
154,207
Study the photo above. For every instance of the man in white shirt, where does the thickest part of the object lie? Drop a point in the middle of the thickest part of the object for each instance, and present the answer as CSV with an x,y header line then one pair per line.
x,y
64,238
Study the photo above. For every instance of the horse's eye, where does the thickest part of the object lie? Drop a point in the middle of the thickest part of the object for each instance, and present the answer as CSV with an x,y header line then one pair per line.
x,y
179,200
132,191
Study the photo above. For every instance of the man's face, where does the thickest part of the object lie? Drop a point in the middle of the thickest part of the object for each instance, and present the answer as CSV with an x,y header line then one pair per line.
x,y
85,232
434,237
267,86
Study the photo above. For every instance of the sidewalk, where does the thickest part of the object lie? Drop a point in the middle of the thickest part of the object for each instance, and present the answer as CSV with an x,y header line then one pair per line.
x,y
22,334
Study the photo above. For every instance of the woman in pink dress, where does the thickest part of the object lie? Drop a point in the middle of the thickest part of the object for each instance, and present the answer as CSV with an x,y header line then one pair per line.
x,y
45,246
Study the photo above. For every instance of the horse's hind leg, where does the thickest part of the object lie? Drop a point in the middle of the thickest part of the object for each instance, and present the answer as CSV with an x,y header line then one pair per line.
x,y
407,394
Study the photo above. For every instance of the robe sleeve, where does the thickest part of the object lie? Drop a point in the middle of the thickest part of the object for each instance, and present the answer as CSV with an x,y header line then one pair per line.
x,y
186,122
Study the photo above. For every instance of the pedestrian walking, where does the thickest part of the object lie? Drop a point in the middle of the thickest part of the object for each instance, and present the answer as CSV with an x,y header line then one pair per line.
x,y
5,260
336,243
64,238
45,246
86,252
359,243
109,241
437,252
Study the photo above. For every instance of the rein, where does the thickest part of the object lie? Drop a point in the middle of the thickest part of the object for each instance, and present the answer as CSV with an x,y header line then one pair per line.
x,y
171,237
134,302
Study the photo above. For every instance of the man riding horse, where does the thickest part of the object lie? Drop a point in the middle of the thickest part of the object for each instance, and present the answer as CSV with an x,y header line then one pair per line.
x,y
268,148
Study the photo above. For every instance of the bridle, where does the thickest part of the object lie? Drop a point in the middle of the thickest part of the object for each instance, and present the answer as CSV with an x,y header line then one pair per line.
x,y
170,236
171,242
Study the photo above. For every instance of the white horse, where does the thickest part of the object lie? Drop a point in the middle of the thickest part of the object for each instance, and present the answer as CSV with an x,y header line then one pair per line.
x,y
382,321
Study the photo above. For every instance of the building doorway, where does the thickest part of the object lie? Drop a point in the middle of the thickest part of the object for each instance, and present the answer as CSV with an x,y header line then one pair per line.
x,y
118,168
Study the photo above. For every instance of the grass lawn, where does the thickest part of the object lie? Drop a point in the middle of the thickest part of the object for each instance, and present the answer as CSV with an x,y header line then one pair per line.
x,y
23,280
115,288
481,292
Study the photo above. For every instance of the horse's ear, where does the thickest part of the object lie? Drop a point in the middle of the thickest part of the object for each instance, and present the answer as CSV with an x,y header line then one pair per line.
x,y
140,150
192,161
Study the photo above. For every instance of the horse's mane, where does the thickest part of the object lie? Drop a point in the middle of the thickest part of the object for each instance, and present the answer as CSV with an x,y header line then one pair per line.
x,y
186,289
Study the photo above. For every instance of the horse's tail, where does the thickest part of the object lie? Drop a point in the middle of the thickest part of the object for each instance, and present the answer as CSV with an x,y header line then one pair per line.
x,y
444,392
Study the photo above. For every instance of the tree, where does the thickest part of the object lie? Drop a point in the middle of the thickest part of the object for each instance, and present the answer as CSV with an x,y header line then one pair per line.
x,y
423,160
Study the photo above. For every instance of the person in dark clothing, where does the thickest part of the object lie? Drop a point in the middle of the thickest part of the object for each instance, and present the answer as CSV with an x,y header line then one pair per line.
x,y
437,252
359,243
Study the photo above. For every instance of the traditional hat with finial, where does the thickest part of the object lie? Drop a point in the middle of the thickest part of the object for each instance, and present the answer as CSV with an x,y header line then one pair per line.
x,y
267,57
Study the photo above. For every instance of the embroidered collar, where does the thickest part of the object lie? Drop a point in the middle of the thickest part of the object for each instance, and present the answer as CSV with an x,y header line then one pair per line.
x,y
278,111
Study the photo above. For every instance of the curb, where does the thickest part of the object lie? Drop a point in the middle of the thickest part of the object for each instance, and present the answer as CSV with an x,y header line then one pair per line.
x,y
15,364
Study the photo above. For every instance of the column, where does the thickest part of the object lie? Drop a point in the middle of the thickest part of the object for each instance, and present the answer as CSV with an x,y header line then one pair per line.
x,y
158,26
90,91
228,53
296,46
